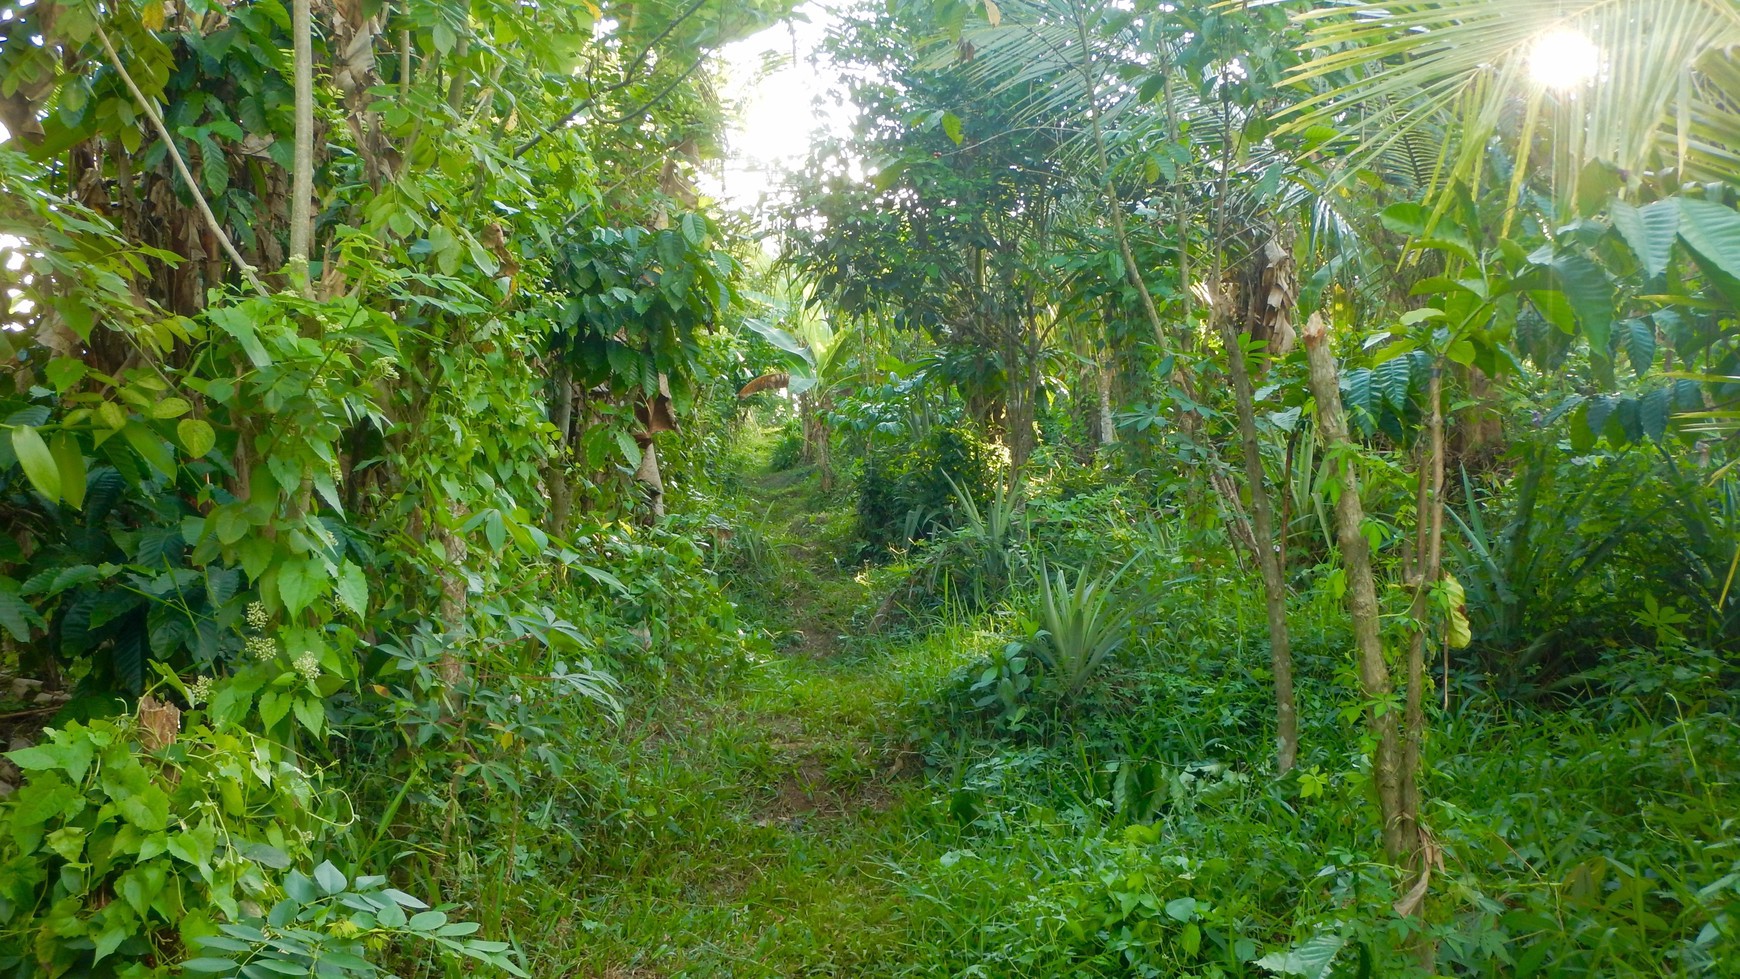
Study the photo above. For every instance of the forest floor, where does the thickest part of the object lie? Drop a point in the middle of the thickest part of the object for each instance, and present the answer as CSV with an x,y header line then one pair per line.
x,y
775,810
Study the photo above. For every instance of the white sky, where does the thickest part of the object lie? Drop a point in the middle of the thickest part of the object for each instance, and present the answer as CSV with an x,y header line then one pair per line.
x,y
781,98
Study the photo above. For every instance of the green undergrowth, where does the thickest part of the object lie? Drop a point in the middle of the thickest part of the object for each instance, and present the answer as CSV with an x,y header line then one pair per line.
x,y
843,802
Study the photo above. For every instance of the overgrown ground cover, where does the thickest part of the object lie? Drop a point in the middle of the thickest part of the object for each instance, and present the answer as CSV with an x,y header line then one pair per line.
x,y
838,806
1165,488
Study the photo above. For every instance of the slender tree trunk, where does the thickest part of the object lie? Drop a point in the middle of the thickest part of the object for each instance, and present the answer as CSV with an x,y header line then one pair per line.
x,y
651,479
302,163
1108,428
1428,545
562,418
452,606
1268,558
1362,603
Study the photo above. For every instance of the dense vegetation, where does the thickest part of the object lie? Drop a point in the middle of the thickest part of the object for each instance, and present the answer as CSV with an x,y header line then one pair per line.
x,y
1203,489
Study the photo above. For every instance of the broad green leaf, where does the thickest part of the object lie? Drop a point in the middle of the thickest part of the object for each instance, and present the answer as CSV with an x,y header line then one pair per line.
x,y
1649,232
330,878
196,435
1590,293
311,713
148,810
65,752
1310,958
70,460
170,408
1652,412
150,448
274,707
1639,338
630,449
37,461
236,321
1713,232
951,125
300,583
352,588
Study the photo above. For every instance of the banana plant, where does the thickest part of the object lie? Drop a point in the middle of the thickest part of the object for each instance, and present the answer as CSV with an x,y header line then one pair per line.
x,y
821,358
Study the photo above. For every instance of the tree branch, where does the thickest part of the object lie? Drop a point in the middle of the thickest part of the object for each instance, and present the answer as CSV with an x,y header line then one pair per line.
x,y
199,201
628,74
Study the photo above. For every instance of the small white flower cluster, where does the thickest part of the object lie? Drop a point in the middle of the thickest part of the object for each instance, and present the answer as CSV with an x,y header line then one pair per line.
x,y
386,370
261,648
199,691
308,666
257,617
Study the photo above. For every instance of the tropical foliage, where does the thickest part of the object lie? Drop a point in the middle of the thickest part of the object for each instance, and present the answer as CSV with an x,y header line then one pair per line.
x,y
1191,488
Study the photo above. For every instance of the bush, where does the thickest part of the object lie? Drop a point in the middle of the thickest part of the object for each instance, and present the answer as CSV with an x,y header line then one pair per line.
x,y
788,448
908,491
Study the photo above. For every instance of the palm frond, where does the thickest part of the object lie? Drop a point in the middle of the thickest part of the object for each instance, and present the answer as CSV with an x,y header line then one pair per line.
x,y
1661,98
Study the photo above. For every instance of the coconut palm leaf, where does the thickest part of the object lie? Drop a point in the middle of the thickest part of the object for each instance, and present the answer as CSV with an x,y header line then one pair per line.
x,y
1662,95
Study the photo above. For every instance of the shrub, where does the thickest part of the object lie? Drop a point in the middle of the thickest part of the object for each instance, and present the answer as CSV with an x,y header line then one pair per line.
x,y
908,491
788,448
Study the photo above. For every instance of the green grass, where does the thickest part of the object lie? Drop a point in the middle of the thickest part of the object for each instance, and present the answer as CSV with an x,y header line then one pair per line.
x,y
830,809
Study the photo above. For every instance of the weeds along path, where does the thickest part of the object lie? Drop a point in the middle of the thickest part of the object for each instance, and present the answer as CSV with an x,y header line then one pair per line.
x,y
761,823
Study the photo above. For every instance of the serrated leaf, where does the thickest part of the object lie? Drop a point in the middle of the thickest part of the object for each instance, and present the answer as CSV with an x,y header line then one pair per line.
x,y
1652,413
1590,293
1392,377
1649,232
1713,232
352,588
1639,337
16,614
1310,958
300,583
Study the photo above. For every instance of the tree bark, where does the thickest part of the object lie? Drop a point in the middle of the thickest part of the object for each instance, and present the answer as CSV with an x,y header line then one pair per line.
x,y
1268,558
1108,428
562,417
1429,537
1362,603
302,164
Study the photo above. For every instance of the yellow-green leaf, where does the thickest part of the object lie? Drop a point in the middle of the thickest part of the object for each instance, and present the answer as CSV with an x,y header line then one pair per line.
x,y
38,463
196,436
171,408
112,414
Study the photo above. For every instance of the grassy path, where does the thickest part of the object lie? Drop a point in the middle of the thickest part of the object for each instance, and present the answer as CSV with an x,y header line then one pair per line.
x,y
764,821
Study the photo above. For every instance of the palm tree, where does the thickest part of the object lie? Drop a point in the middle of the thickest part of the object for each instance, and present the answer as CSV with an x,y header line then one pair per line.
x,y
1647,86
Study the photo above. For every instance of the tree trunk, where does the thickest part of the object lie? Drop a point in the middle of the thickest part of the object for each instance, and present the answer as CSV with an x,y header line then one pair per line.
x,y
1429,538
302,166
1362,603
562,417
451,609
649,477
1268,558
1108,432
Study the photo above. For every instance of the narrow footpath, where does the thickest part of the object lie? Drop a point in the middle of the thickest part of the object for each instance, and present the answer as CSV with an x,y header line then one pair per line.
x,y
768,818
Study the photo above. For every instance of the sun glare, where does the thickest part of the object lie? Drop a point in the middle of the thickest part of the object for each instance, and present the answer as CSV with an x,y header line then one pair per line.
x,y
1564,59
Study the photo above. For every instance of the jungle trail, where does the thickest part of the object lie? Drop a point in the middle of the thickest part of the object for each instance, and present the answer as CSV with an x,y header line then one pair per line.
x,y
1202,488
